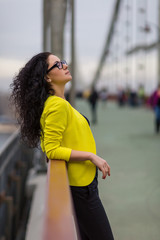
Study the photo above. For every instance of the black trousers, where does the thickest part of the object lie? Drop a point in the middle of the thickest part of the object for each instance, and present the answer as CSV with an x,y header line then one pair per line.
x,y
92,219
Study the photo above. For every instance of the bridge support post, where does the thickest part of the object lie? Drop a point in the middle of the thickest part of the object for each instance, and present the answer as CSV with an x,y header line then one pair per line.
x,y
8,200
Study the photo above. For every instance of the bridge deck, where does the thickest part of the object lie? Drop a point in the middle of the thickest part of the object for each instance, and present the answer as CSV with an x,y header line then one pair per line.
x,y
131,196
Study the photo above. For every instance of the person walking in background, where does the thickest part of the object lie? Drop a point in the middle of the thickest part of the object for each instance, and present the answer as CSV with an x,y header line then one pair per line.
x,y
93,99
103,95
65,134
154,101
141,95
121,97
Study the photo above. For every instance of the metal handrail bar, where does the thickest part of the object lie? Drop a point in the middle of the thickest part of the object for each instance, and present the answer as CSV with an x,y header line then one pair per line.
x,y
7,160
7,149
9,141
59,218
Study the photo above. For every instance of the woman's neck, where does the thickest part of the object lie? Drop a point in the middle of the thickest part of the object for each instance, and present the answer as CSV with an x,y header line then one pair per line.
x,y
59,95
59,91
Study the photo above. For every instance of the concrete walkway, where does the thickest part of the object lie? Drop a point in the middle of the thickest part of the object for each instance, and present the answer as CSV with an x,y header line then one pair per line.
x,y
131,196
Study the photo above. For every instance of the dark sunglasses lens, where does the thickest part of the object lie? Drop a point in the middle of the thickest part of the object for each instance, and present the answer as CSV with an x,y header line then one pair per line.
x,y
59,65
64,62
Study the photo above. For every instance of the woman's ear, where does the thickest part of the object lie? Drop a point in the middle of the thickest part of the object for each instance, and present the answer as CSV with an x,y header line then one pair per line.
x,y
47,79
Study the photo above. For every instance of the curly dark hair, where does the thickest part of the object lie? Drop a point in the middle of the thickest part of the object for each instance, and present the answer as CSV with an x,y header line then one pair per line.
x,y
29,92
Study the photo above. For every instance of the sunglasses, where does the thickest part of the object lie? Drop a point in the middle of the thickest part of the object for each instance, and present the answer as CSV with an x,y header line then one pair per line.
x,y
59,65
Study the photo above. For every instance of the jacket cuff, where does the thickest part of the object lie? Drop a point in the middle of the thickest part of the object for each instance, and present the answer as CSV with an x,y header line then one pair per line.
x,y
61,153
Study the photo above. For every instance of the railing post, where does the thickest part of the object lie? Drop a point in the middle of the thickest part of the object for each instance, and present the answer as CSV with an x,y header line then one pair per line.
x,y
17,180
9,202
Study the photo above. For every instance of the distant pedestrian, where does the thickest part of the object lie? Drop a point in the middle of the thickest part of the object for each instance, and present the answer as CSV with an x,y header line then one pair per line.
x,y
154,101
133,98
93,99
121,97
141,95
103,95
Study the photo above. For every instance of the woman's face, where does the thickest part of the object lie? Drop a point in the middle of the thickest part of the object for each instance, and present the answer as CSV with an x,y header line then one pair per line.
x,y
56,75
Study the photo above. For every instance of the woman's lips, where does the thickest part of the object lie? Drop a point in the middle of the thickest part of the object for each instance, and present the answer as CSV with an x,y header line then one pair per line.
x,y
68,72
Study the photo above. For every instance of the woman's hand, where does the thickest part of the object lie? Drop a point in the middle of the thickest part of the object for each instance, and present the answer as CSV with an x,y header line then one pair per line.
x,y
98,161
101,164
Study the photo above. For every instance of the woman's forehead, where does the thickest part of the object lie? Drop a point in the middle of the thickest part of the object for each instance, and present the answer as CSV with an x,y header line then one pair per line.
x,y
52,59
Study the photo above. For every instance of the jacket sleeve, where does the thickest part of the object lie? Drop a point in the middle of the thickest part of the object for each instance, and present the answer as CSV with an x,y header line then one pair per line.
x,y
55,125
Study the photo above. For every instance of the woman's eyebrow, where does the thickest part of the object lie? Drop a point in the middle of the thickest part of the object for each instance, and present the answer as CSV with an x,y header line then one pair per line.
x,y
56,62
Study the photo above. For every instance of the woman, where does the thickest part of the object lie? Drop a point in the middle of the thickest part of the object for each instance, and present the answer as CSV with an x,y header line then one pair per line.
x,y
38,94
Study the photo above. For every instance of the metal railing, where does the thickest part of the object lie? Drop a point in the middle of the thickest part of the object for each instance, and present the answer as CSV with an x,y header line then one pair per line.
x,y
59,220
15,161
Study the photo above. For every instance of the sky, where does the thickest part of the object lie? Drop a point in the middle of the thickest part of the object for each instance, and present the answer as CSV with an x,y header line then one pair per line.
x,y
21,38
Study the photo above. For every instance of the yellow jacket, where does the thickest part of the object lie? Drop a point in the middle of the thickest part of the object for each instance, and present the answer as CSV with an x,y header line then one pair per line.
x,y
64,129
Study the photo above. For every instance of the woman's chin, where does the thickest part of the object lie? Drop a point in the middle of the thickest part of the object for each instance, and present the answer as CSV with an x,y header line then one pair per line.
x,y
69,78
